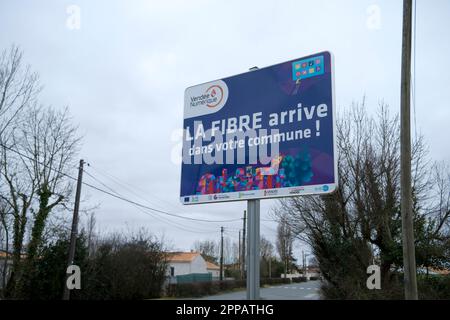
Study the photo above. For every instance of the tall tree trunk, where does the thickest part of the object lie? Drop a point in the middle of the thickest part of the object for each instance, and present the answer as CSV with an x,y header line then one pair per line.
x,y
24,285
19,225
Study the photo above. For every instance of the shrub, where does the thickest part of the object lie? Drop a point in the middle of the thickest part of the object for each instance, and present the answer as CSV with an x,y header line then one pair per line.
x,y
47,282
124,269
434,287
429,288
274,281
199,289
299,279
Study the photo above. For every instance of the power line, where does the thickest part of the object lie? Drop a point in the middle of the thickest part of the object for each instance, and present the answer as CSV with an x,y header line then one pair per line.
x,y
174,224
164,220
120,197
160,218
117,195
269,228
128,187
153,209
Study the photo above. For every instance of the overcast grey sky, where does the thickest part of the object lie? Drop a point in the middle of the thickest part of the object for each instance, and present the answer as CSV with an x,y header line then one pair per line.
x,y
123,67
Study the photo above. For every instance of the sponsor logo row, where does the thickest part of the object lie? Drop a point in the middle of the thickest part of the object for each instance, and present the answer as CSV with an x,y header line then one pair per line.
x,y
256,194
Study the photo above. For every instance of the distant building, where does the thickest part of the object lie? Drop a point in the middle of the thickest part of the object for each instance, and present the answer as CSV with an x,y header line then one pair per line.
x,y
313,272
213,269
181,263
186,263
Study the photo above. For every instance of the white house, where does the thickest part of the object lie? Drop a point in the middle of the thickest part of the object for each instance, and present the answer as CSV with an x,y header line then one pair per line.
x,y
181,263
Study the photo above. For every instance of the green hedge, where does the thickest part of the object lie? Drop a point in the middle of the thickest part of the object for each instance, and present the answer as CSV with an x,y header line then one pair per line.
x,y
432,287
299,279
199,289
274,281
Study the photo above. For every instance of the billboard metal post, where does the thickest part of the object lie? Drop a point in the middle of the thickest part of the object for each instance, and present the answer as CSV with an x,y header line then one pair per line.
x,y
244,252
253,252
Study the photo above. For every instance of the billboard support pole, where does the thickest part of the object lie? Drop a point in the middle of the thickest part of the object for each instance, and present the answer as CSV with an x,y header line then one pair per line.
x,y
253,252
244,252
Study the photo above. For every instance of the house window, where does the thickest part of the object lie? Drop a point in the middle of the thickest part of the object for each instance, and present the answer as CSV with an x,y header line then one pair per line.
x,y
172,271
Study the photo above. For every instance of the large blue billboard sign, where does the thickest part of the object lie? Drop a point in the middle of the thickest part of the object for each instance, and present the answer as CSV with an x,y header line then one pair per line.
x,y
261,134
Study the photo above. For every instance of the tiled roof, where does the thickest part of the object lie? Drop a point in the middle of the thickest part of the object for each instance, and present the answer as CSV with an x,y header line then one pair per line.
x,y
441,271
182,256
212,266
10,255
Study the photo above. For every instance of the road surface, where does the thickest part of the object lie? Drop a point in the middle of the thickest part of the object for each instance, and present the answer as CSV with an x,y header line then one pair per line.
x,y
295,291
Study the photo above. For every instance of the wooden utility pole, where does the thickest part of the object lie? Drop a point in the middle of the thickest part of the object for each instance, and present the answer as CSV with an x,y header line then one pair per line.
x,y
303,262
221,254
243,245
270,267
239,253
73,234
409,257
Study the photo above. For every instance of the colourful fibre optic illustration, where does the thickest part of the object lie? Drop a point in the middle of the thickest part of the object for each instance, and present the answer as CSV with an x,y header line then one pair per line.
x,y
289,171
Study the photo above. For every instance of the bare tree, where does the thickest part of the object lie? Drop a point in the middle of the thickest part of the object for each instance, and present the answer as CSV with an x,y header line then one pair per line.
x,y
439,208
433,240
236,254
266,248
18,87
208,249
90,231
47,143
38,153
4,241
227,250
284,243
267,251
364,212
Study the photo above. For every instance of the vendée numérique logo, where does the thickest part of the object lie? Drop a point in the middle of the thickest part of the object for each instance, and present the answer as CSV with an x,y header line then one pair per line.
x,y
212,97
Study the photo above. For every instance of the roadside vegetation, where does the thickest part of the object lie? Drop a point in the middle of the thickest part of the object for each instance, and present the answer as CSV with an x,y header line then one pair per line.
x,y
38,154
360,224
357,226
